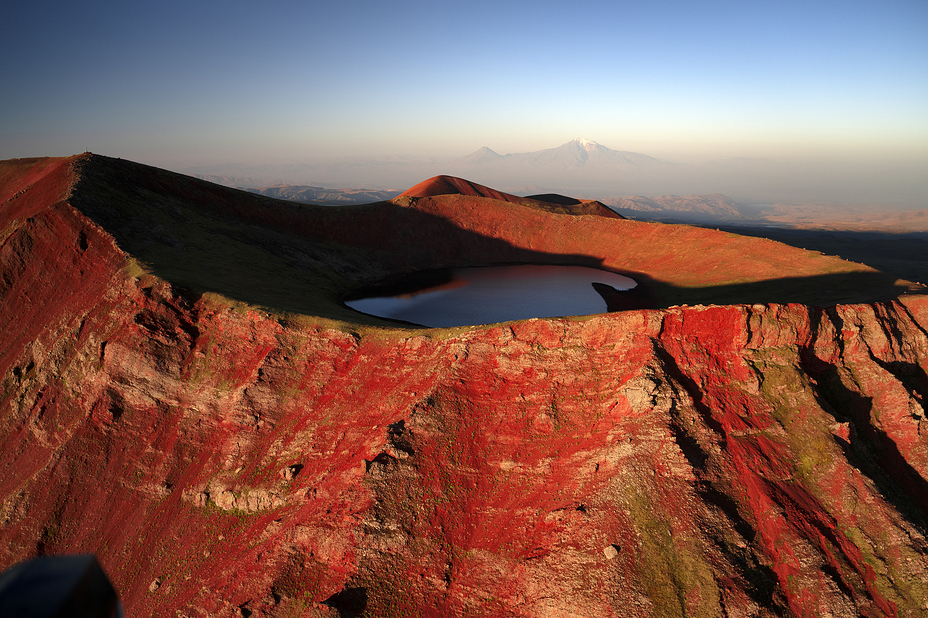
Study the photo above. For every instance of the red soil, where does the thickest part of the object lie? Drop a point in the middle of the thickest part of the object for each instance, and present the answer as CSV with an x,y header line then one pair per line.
x,y
450,185
729,460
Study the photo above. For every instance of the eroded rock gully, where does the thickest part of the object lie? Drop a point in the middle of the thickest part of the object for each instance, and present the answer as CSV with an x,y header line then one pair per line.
x,y
766,460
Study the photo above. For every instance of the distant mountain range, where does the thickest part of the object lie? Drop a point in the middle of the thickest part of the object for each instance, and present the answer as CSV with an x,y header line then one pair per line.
x,y
579,165
576,154
585,169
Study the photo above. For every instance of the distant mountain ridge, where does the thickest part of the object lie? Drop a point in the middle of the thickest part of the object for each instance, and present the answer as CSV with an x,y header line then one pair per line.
x,y
327,197
577,153
238,182
588,169
580,165
483,155
715,207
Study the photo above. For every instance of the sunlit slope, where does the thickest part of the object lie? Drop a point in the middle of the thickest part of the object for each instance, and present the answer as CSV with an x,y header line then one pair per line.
x,y
449,185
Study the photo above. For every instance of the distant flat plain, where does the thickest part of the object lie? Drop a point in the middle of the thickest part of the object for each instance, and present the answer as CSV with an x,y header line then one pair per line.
x,y
892,241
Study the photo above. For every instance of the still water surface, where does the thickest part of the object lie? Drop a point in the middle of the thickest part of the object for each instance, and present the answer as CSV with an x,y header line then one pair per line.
x,y
489,294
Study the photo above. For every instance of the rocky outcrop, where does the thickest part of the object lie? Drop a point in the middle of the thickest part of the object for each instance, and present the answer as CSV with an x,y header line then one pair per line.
x,y
221,460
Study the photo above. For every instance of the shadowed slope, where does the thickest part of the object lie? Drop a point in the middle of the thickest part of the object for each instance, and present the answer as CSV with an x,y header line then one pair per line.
x,y
555,198
303,259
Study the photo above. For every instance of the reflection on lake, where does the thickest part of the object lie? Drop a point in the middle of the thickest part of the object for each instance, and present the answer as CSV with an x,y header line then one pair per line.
x,y
489,294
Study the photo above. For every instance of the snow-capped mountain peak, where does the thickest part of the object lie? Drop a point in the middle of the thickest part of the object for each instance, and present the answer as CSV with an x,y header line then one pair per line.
x,y
586,144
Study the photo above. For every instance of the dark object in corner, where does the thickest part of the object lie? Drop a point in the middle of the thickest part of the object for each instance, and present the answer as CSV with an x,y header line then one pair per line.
x,y
58,587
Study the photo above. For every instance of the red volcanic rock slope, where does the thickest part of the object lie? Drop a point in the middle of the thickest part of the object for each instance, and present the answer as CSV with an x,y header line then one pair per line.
x,y
741,460
449,185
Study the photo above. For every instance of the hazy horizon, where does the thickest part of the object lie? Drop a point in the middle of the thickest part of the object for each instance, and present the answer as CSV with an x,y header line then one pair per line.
x,y
832,93
747,180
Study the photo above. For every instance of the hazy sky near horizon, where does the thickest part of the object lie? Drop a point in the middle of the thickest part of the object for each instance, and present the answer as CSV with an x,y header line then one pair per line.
x,y
179,84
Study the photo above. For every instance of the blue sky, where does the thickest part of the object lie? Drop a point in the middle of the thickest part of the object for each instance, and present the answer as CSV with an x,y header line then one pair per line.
x,y
196,83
